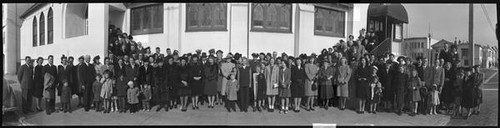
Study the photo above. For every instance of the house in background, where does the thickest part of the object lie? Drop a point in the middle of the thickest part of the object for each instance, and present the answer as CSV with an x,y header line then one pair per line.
x,y
489,57
418,46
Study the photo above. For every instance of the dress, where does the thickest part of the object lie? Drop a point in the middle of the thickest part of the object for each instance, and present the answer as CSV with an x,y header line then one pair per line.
x,y
232,89
435,97
271,79
107,89
400,87
298,80
196,70
375,90
362,85
414,85
446,95
325,84
183,90
210,78
468,91
38,82
311,72
386,81
284,83
261,87
343,75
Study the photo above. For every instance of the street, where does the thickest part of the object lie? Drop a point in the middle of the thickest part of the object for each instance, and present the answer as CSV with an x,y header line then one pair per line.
x,y
219,116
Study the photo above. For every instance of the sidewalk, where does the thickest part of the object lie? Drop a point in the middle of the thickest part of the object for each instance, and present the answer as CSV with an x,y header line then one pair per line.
x,y
219,116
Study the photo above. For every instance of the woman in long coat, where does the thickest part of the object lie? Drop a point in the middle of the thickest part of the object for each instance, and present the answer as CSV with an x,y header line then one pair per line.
x,y
478,92
400,79
171,70
210,77
298,81
468,101
226,68
362,74
343,75
195,80
272,71
38,84
311,72
184,88
446,95
325,75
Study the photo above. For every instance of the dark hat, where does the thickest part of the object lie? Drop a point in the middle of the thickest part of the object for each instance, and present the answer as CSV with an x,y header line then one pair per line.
x,y
204,54
219,51
401,57
97,57
147,48
262,53
255,55
467,69
211,51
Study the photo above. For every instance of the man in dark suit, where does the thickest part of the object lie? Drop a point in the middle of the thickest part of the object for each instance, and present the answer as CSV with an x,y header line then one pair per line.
x,y
132,70
51,69
86,75
25,77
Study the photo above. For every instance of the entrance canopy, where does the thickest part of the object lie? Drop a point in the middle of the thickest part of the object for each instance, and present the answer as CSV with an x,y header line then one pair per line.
x,y
395,11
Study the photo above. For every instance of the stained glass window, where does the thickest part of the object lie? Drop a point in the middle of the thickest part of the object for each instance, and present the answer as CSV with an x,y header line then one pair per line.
x,y
271,17
329,22
206,17
147,19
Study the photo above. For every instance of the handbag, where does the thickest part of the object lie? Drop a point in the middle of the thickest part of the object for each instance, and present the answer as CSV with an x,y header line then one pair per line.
x,y
314,86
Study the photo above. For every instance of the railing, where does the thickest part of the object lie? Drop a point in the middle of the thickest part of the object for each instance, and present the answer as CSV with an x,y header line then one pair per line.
x,y
382,48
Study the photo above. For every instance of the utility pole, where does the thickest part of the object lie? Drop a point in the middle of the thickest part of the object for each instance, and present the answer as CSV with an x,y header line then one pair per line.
x,y
471,33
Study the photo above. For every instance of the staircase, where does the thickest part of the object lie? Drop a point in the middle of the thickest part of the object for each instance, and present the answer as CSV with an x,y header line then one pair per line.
x,y
382,48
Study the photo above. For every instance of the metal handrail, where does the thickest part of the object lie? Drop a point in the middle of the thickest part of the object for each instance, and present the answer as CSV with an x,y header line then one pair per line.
x,y
376,49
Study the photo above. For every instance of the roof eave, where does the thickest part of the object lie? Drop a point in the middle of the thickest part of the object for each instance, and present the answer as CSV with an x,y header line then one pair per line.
x,y
32,9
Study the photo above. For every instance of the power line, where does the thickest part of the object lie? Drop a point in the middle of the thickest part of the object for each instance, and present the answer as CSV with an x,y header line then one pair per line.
x,y
485,12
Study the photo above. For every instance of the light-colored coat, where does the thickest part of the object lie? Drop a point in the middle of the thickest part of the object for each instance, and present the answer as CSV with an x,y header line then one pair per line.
x,y
226,69
272,79
343,74
311,72
232,89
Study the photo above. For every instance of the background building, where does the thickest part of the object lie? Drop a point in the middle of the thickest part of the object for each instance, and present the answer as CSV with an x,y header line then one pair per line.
x,y
418,46
11,24
489,57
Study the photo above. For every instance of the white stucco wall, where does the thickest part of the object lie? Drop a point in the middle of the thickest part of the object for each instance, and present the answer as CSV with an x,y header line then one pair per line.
x,y
174,35
92,44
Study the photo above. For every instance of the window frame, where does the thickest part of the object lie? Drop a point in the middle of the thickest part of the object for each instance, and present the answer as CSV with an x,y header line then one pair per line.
x,y
333,34
141,30
272,30
203,29
35,31
396,33
41,30
50,27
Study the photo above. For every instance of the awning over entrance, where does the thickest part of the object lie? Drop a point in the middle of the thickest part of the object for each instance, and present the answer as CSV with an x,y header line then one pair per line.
x,y
396,11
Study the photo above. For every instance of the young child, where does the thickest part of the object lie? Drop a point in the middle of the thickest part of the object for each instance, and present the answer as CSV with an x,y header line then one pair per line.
x,y
96,88
107,90
132,96
434,93
121,93
414,86
284,89
231,92
147,97
261,89
375,90
66,97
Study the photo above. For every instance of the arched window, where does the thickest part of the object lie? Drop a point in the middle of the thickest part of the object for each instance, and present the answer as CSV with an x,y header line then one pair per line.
x,y
206,16
50,27
42,29
271,17
35,32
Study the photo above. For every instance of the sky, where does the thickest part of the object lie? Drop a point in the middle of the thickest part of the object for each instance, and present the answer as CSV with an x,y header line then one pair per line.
x,y
448,21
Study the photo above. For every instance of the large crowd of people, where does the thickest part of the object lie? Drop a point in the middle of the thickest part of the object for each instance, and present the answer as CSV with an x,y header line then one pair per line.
x,y
132,78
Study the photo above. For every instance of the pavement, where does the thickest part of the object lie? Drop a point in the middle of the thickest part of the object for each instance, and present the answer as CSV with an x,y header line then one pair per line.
x,y
219,116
